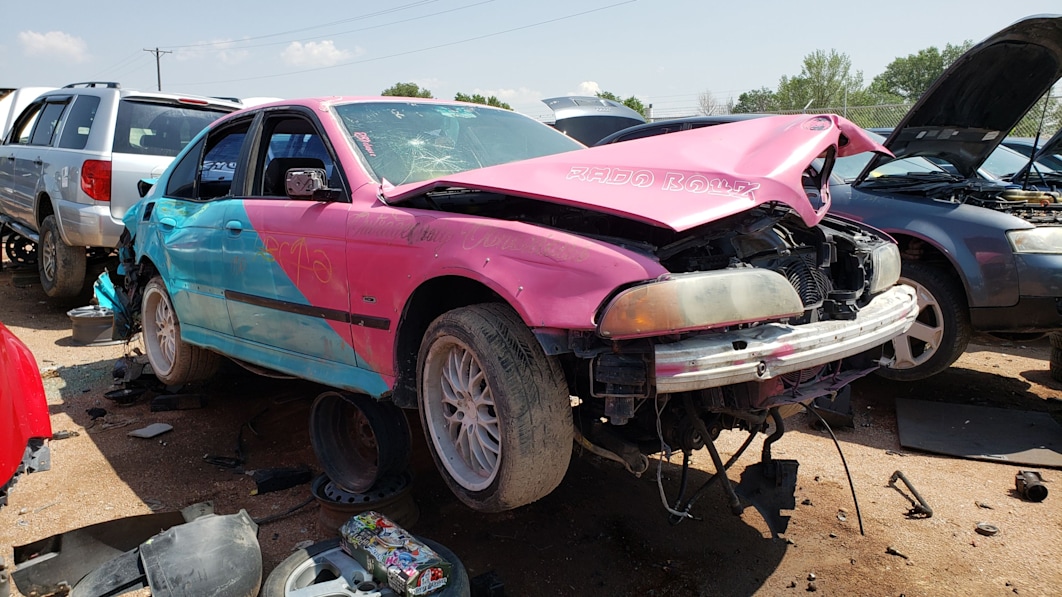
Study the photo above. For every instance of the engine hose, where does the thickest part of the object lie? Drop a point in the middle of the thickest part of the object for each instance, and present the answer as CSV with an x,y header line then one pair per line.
x,y
851,485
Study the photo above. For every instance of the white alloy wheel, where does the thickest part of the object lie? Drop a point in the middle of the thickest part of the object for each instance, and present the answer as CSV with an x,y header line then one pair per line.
x,y
461,414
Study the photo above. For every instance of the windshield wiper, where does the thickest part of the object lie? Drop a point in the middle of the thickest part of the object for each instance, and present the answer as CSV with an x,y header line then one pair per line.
x,y
914,181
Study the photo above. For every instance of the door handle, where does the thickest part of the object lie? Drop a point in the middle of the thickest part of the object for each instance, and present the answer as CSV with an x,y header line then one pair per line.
x,y
234,226
167,223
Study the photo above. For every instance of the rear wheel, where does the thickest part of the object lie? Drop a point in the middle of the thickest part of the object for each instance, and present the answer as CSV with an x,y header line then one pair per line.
x,y
61,267
494,407
172,360
940,334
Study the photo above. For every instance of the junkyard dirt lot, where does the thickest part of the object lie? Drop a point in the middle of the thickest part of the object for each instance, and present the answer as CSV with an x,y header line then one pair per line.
x,y
602,532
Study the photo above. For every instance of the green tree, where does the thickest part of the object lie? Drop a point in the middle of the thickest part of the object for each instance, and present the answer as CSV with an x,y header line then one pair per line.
x,y
406,90
631,102
826,80
910,76
755,101
479,99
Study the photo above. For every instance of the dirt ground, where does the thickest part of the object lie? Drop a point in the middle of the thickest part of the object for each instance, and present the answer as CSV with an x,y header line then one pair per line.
x,y
603,532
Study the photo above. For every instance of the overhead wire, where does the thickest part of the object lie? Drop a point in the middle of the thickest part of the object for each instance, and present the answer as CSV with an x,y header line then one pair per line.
x,y
417,50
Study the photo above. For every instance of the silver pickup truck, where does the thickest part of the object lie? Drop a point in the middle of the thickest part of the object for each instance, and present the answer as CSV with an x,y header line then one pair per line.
x,y
69,168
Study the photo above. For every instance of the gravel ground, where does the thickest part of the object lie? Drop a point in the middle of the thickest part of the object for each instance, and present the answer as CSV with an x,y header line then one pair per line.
x,y
602,532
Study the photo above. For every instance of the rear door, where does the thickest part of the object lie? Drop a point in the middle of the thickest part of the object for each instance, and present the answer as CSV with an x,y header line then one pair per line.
x,y
24,155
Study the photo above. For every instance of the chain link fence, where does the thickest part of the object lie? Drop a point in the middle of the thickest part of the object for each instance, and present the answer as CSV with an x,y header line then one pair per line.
x,y
889,115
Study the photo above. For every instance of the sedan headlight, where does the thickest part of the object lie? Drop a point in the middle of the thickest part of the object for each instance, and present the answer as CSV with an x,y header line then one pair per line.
x,y
1036,240
683,302
885,261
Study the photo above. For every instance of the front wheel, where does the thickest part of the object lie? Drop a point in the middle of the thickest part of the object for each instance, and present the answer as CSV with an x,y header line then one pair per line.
x,y
494,407
61,267
172,360
939,335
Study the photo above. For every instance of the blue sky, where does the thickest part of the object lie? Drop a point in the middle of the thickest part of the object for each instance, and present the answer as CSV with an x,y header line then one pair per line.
x,y
665,52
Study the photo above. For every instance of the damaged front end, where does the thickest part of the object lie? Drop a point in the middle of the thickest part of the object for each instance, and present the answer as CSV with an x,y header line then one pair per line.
x,y
767,314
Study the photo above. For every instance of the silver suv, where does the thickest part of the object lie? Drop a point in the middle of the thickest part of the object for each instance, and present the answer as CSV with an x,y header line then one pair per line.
x,y
70,165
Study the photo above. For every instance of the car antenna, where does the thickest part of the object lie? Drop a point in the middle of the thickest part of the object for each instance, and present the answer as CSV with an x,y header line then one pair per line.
x,y
1036,144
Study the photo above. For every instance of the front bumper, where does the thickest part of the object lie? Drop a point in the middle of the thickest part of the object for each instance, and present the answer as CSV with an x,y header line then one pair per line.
x,y
767,351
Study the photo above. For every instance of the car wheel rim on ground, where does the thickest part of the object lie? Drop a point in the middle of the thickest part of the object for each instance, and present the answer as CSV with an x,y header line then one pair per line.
x,y
918,344
20,250
461,414
358,439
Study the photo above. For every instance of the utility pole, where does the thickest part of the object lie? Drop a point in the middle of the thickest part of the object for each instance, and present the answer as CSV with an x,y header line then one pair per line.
x,y
158,68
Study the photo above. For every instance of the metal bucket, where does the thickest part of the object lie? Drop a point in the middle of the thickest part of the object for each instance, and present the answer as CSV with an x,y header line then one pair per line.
x,y
92,324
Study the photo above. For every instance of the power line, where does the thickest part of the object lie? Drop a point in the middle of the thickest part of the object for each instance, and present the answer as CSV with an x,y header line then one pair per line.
x,y
418,50
357,18
235,43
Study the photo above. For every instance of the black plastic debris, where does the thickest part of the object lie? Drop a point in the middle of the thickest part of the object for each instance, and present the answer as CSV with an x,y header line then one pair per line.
x,y
96,413
167,402
275,479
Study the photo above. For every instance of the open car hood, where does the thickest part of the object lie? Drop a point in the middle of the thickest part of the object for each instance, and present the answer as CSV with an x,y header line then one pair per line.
x,y
589,119
678,181
975,103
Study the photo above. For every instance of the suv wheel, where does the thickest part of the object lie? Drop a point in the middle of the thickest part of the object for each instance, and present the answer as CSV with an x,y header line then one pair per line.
x,y
61,267
940,334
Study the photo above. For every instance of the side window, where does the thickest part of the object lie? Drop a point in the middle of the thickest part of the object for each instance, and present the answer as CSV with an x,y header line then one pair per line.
x,y
219,164
183,178
79,122
23,127
48,122
207,170
291,142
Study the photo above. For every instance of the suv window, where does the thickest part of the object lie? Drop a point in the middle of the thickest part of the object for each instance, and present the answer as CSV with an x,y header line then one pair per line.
x,y
79,122
23,127
48,121
158,128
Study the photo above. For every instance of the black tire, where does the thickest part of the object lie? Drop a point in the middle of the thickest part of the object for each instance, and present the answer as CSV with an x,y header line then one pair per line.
x,y
940,334
297,564
1056,362
1056,340
173,361
358,439
61,267
519,442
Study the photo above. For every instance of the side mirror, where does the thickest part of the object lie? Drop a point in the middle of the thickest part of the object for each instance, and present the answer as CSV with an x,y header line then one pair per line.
x,y
304,182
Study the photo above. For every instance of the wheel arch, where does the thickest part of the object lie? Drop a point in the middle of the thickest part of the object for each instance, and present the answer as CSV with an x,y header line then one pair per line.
x,y
915,247
428,301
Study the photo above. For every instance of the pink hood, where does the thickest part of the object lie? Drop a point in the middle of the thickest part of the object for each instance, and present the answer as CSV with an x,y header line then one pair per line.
x,y
680,180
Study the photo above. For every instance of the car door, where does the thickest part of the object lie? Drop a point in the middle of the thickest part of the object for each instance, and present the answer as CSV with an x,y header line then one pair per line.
x,y
190,219
290,298
23,160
